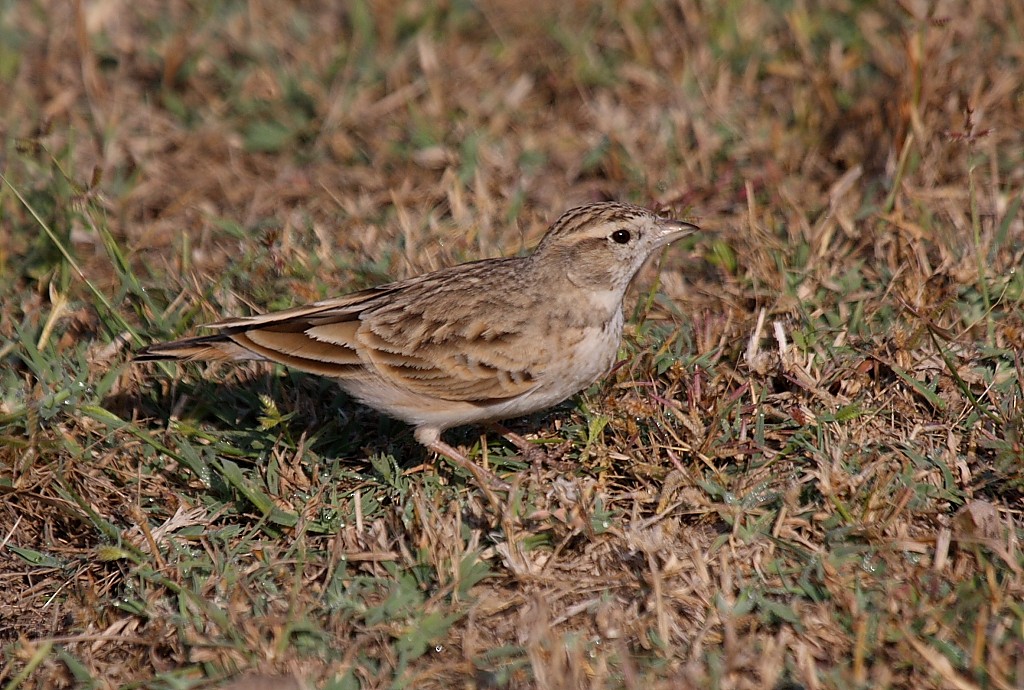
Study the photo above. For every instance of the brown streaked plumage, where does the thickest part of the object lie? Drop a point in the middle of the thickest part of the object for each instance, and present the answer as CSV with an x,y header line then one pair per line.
x,y
481,341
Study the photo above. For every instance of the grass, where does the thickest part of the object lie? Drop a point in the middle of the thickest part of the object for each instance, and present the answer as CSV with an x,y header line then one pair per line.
x,y
805,472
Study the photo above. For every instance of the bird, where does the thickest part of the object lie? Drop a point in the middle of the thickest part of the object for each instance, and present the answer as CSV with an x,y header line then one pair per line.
x,y
477,342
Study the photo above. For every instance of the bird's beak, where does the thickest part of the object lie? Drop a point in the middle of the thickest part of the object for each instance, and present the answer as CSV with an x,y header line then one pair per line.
x,y
672,230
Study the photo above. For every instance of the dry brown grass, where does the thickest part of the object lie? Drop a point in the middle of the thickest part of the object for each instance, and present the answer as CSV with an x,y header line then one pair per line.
x,y
807,472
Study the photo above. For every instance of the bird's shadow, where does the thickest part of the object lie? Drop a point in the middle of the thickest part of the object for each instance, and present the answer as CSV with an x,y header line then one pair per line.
x,y
240,405
330,423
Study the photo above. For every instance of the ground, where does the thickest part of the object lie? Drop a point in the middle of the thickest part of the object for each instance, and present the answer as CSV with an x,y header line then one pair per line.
x,y
805,472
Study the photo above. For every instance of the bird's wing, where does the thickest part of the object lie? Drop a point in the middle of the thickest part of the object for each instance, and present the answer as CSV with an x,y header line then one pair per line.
x,y
443,335
452,354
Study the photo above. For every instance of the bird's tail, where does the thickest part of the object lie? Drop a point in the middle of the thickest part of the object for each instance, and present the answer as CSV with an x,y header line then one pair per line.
x,y
204,348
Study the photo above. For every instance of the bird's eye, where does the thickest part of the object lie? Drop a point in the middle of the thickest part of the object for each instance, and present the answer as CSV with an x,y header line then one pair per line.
x,y
621,236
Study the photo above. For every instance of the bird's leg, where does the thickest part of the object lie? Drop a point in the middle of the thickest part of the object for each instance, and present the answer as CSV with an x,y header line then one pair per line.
x,y
488,481
535,455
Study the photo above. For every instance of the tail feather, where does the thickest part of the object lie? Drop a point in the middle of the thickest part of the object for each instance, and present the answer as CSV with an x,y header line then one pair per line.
x,y
203,348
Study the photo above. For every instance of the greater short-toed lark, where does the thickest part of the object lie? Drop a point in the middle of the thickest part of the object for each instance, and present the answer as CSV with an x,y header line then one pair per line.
x,y
481,341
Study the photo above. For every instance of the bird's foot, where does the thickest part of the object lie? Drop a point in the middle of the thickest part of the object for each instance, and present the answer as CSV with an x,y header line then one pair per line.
x,y
485,479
